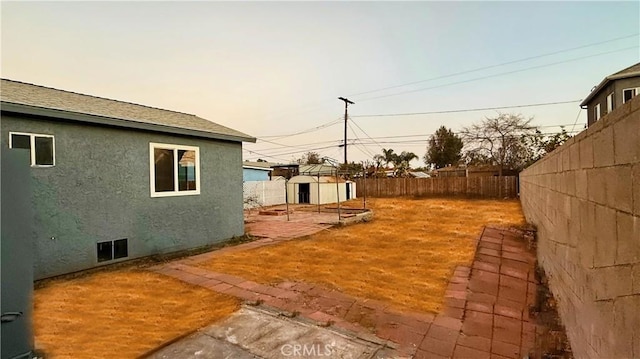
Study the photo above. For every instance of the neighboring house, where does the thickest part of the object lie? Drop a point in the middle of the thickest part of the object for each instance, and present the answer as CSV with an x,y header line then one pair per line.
x,y
474,171
256,171
113,180
286,171
451,171
612,92
319,190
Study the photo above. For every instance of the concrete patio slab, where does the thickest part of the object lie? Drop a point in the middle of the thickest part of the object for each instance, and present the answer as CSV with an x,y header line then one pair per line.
x,y
259,333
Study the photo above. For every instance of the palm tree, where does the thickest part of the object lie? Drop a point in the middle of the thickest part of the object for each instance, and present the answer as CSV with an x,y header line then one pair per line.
x,y
389,156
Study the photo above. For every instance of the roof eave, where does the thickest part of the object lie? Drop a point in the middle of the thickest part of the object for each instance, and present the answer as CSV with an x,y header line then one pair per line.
x,y
116,122
604,83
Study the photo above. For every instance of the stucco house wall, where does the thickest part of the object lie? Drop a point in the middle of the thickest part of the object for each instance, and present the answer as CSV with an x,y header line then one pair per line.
x,y
99,190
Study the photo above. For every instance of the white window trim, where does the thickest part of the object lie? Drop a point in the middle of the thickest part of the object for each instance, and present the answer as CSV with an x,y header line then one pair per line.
x,y
610,102
637,89
32,142
152,174
596,112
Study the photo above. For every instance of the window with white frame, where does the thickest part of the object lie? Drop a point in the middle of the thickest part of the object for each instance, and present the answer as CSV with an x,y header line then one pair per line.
x,y
41,147
628,94
596,112
610,102
174,170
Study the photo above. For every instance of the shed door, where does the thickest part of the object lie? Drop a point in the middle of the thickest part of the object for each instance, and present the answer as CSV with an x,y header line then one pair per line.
x,y
304,192
348,190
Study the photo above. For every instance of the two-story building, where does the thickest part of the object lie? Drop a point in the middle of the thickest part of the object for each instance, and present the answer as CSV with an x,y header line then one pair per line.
x,y
612,92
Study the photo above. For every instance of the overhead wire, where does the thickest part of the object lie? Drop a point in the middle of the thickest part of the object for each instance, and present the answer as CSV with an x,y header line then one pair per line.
x,y
496,75
497,65
468,110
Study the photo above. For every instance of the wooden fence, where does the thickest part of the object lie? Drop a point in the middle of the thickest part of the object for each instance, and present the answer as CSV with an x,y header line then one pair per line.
x,y
489,186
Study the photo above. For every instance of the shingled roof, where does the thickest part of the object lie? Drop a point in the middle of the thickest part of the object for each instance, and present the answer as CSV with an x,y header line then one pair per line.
x,y
631,71
33,99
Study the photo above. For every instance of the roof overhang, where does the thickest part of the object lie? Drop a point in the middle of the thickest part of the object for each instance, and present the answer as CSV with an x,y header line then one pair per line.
x,y
115,122
604,83
257,168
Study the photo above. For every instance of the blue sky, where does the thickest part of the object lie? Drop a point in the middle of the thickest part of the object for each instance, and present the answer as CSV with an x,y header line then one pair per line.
x,y
277,68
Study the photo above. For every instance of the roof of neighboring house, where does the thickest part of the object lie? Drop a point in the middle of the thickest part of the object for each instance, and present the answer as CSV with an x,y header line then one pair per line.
x,y
631,71
262,166
483,168
38,100
418,174
451,168
315,179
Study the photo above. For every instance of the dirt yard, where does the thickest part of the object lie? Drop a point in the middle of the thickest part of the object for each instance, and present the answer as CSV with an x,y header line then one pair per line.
x,y
405,256
122,313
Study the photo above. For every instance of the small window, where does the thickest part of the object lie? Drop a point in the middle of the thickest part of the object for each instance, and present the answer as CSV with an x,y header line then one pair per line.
x,y
628,94
110,250
41,147
596,112
610,102
105,252
120,249
174,170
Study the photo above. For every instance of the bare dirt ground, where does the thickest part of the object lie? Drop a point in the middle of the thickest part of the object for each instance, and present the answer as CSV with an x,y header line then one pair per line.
x,y
121,313
405,256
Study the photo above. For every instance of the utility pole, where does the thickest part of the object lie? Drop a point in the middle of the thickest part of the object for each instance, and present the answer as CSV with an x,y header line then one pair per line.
x,y
347,102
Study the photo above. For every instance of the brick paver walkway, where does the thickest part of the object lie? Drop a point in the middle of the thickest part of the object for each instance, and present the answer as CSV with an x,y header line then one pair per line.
x,y
300,224
485,313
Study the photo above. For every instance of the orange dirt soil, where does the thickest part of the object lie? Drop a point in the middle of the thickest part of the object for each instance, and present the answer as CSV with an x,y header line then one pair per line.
x,y
122,313
405,256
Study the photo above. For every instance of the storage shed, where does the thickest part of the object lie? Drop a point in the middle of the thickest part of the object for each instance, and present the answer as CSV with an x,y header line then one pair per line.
x,y
319,190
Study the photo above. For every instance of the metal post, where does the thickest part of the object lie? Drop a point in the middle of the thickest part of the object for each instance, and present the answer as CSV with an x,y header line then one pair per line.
x,y
338,193
318,191
364,176
286,196
346,115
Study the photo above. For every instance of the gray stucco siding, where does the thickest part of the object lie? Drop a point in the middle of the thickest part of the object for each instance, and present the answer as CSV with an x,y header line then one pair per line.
x,y
99,190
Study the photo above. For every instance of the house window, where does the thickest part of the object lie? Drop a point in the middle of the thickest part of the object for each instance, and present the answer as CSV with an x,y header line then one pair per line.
x,y
174,170
596,112
610,102
628,94
41,147
111,250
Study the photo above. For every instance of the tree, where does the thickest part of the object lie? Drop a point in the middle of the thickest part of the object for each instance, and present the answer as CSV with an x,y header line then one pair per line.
x,y
540,144
351,169
389,156
500,141
444,148
401,162
310,158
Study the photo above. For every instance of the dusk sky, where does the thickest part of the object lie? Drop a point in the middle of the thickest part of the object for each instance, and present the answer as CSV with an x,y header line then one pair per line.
x,y
271,69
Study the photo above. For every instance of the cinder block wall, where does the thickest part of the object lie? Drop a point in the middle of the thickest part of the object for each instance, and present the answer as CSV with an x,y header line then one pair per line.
x,y
585,200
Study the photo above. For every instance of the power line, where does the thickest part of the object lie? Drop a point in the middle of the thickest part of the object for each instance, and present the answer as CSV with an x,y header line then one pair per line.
x,y
577,117
365,133
357,138
325,125
499,74
467,110
275,151
324,103
497,65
